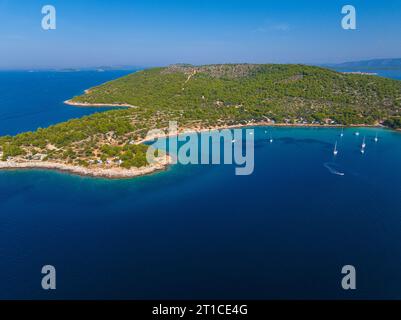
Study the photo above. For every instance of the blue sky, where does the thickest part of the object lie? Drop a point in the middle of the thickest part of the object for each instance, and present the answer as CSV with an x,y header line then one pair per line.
x,y
161,32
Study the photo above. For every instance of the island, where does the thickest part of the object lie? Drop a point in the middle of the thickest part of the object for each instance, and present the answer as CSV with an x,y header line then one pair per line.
x,y
110,144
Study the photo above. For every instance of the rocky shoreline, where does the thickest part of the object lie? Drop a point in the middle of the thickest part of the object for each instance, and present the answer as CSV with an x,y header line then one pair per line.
x,y
86,104
160,164
111,173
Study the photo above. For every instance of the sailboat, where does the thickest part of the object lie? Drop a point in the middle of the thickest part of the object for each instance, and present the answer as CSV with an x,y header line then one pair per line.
x,y
376,138
364,143
357,133
342,133
271,139
335,152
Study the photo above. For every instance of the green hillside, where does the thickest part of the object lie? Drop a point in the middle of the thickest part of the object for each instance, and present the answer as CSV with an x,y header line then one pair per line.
x,y
243,92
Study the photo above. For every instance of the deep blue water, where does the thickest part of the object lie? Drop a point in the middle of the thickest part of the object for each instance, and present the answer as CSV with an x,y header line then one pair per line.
x,y
200,231
29,100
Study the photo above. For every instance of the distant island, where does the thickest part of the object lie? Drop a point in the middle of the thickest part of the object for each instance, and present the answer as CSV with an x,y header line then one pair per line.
x,y
373,64
90,69
109,144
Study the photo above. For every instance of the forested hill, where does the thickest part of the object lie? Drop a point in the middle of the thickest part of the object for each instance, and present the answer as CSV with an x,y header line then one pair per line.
x,y
291,93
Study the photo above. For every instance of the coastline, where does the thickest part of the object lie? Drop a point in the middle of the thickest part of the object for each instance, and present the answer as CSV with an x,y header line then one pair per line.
x,y
110,173
86,104
161,163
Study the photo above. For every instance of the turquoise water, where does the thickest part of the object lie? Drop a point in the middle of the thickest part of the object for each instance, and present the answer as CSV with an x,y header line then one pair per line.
x,y
202,232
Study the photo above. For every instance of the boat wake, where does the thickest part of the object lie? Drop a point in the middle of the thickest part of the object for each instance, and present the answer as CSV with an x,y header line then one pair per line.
x,y
333,169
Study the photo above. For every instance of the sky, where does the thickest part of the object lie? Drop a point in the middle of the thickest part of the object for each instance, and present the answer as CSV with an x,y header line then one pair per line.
x,y
160,32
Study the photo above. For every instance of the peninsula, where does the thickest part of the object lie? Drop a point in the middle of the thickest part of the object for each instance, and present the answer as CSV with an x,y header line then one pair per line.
x,y
108,144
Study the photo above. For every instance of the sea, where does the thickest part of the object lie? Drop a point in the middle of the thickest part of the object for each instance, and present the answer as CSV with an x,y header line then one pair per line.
x,y
200,231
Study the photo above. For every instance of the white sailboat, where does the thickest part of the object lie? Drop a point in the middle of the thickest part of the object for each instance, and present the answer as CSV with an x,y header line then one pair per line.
x,y
357,133
363,145
377,138
335,152
342,133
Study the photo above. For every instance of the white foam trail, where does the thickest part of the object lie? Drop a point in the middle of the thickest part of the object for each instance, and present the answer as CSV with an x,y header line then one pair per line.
x,y
332,170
